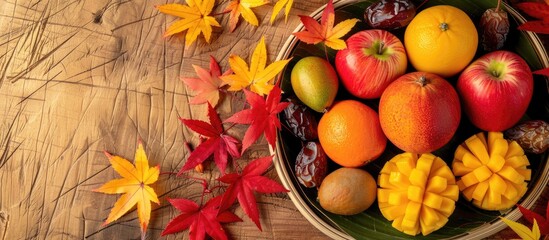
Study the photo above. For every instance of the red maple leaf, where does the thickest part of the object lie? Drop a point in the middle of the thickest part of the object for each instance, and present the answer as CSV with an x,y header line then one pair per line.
x,y
218,143
544,72
325,31
208,85
536,10
262,115
242,187
543,223
200,220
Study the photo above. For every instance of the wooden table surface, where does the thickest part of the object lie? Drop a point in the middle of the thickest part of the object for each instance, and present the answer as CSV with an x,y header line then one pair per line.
x,y
81,76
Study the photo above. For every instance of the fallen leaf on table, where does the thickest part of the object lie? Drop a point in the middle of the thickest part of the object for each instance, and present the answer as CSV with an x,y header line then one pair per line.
x,y
195,16
244,8
208,84
262,117
218,143
134,184
257,76
532,216
278,7
325,31
536,10
523,231
200,220
242,187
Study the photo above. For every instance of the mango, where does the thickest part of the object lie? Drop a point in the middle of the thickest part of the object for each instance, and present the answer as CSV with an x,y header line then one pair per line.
x,y
417,192
491,171
314,82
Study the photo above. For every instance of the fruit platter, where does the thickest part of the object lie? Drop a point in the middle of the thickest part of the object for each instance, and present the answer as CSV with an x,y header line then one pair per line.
x,y
402,135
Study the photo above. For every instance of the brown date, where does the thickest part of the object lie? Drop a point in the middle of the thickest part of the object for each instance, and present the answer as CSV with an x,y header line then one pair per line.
x,y
493,29
390,14
532,136
301,121
311,165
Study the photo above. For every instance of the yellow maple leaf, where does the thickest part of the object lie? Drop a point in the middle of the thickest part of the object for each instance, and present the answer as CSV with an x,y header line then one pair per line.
x,y
195,16
278,7
134,184
523,231
259,78
244,8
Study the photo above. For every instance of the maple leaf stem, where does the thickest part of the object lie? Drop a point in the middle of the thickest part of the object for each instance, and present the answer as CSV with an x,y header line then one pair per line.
x,y
499,4
221,13
167,173
143,235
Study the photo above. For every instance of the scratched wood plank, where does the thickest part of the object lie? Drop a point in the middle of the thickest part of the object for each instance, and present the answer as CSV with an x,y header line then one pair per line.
x,y
79,77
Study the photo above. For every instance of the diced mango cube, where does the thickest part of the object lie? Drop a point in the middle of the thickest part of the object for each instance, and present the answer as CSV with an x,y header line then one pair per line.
x,y
389,167
460,151
424,163
497,184
437,164
514,150
493,137
447,207
418,177
460,169
496,163
437,184
383,194
478,148
499,147
468,192
470,161
426,228
411,216
480,190
452,192
398,179
510,192
397,223
494,197
482,173
444,172
428,216
397,198
482,139
511,174
415,193
518,161
405,165
383,181
469,179
432,200
526,173
392,212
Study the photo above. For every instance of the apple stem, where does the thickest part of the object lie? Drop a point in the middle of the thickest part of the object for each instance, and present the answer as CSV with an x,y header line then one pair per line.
x,y
380,48
422,81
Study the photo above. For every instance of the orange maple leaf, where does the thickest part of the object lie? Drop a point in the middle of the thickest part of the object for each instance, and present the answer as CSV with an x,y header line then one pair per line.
x,y
208,85
258,76
134,184
195,16
325,32
244,8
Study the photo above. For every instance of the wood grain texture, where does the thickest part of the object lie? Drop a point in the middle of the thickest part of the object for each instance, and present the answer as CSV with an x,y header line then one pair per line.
x,y
81,76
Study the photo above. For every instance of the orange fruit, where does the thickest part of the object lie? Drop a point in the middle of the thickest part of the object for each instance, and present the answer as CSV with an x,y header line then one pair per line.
x,y
350,134
347,191
441,40
419,112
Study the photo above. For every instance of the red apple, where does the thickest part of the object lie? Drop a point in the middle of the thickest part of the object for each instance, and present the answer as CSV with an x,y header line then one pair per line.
x,y
372,60
495,90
